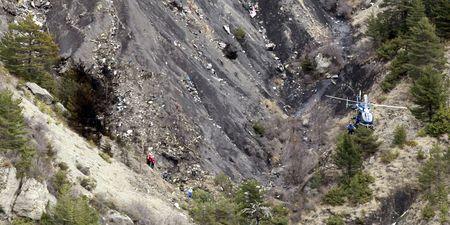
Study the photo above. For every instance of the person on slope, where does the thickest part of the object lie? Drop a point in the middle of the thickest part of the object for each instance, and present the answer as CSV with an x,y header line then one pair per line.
x,y
351,128
151,160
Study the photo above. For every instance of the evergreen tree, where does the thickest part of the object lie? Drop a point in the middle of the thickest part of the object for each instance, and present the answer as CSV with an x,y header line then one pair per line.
x,y
439,13
249,193
424,49
13,133
348,155
416,12
440,123
434,175
429,93
367,141
29,52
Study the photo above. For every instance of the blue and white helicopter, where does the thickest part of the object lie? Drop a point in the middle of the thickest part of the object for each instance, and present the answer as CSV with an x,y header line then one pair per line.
x,y
365,116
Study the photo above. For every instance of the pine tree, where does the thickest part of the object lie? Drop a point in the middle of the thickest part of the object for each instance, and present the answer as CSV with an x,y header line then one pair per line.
x,y
424,49
367,141
416,12
348,155
439,13
71,211
429,94
440,123
13,133
29,52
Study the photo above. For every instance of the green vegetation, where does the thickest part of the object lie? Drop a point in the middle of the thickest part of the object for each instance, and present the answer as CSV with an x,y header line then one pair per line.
x,y
428,212
335,196
259,129
367,141
348,155
434,180
13,134
354,190
354,184
224,183
335,220
439,14
403,33
399,136
429,94
29,53
317,180
105,157
245,206
308,65
88,183
239,33
440,123
389,156
22,221
421,155
70,210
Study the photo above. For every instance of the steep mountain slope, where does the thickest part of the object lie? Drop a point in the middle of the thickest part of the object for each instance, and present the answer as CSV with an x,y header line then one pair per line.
x,y
142,196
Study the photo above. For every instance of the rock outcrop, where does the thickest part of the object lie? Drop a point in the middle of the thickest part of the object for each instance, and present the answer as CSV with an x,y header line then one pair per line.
x,y
113,217
41,93
33,199
8,188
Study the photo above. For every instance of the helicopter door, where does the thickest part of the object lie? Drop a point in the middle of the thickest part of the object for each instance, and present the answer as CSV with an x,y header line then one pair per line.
x,y
367,117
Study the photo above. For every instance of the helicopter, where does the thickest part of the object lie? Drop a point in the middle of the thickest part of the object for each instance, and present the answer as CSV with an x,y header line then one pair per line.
x,y
365,116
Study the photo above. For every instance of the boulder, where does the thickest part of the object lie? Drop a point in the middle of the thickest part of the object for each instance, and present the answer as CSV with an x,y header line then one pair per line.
x,y
60,108
322,63
113,217
8,187
40,93
33,199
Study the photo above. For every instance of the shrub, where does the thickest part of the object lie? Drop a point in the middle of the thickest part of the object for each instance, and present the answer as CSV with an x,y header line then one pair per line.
x,y
249,192
440,123
88,183
411,143
224,182
71,211
105,157
422,132
259,129
60,181
399,136
389,156
335,196
63,166
335,220
308,65
421,155
22,221
239,33
200,195
317,180
357,190
428,212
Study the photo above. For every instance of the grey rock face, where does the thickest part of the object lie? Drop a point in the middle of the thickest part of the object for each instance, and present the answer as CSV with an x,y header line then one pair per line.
x,y
8,187
40,93
113,217
153,63
33,199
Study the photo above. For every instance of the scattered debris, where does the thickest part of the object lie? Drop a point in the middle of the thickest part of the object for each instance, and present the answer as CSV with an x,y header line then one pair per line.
x,y
270,46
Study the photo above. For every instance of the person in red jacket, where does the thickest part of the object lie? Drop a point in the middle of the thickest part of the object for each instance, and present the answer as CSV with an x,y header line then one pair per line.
x,y
151,160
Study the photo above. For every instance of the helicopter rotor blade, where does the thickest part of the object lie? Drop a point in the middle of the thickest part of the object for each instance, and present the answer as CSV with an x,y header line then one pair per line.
x,y
341,99
389,106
